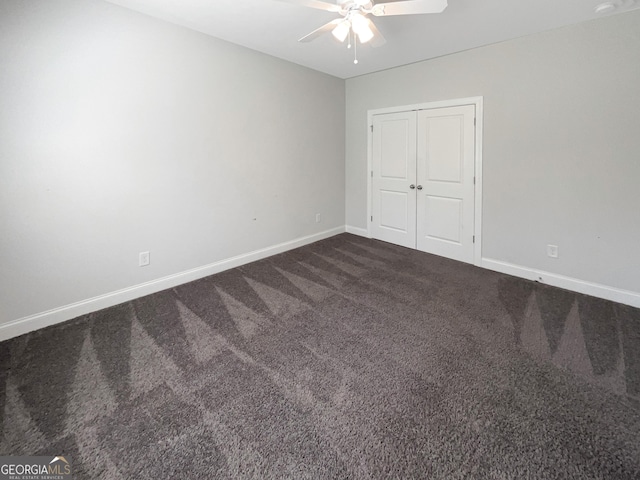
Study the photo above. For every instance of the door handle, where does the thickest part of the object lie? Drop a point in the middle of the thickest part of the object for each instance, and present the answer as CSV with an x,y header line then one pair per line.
x,y
412,186
419,187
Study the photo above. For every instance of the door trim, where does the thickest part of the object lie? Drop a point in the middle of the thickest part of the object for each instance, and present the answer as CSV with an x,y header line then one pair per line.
x,y
478,103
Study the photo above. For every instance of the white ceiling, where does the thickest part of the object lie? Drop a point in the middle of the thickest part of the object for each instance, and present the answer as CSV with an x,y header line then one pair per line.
x,y
274,27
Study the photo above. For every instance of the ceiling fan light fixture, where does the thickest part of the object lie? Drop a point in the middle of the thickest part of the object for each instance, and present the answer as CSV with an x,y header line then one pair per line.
x,y
360,27
342,30
365,35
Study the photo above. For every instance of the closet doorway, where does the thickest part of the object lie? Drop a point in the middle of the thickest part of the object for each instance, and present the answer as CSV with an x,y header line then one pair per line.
x,y
425,177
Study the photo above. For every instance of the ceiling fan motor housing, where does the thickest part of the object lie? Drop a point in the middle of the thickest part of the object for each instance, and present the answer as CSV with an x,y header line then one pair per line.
x,y
360,3
351,5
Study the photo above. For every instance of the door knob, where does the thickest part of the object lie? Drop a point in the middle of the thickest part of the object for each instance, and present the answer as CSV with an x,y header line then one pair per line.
x,y
419,187
412,186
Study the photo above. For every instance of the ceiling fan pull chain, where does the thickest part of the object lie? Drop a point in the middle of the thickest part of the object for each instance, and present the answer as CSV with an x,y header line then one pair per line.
x,y
349,44
355,50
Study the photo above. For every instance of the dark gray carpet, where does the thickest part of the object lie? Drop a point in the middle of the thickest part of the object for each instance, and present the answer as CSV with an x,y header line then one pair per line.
x,y
348,358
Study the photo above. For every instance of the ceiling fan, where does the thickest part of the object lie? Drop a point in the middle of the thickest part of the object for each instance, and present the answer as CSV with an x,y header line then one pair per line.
x,y
355,17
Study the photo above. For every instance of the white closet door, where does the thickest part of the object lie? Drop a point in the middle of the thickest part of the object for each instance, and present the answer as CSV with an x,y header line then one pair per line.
x,y
394,171
445,169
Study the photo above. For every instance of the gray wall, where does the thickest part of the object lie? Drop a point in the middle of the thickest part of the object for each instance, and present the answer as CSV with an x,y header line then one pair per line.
x,y
561,144
121,133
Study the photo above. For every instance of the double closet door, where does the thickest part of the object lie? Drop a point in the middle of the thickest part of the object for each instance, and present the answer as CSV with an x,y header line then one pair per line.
x,y
423,180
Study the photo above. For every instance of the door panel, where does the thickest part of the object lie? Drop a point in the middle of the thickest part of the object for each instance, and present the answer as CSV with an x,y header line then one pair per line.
x,y
394,148
445,171
443,156
394,170
391,204
442,218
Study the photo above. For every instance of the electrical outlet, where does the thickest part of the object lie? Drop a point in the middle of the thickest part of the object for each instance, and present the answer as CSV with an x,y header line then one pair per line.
x,y
318,218
552,251
144,259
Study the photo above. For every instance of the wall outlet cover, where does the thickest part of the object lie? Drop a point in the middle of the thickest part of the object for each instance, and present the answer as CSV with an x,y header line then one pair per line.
x,y
144,259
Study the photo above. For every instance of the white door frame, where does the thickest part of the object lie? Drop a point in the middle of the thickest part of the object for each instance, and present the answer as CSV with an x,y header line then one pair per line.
x,y
478,102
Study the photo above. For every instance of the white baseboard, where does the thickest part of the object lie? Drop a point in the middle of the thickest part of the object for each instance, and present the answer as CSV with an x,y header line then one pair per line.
x,y
594,289
62,314
362,232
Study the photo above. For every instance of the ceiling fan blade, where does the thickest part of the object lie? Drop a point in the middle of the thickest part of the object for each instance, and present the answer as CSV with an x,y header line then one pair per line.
x,y
409,7
378,40
329,7
327,27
